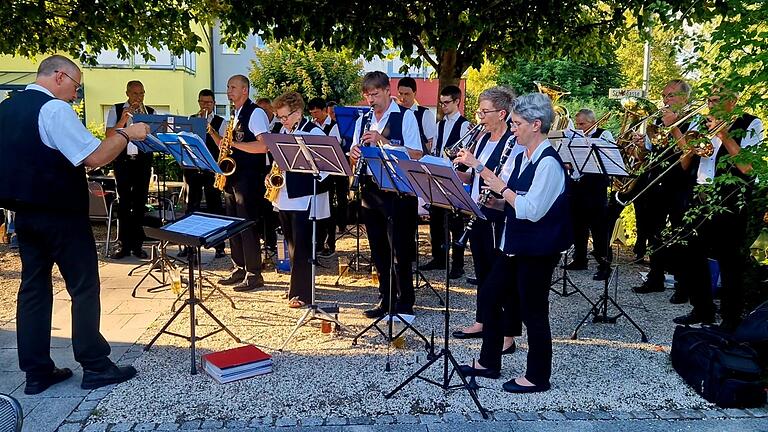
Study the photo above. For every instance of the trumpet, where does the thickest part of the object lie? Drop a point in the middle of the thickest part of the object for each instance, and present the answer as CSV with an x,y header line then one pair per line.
x,y
466,142
226,163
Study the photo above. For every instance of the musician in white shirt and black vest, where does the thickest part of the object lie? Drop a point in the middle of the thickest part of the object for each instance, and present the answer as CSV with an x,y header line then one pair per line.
x,y
722,235
296,205
44,150
338,186
244,189
450,129
536,229
589,204
199,182
485,236
132,171
394,127
425,118
666,201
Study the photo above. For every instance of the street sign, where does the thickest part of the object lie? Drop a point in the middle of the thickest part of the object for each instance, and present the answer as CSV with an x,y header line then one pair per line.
x,y
618,93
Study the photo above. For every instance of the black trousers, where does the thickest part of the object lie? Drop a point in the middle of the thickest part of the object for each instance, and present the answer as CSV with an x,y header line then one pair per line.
x,y
132,184
339,201
722,238
524,279
589,209
297,229
267,223
243,198
437,234
483,240
199,183
379,209
45,239
671,199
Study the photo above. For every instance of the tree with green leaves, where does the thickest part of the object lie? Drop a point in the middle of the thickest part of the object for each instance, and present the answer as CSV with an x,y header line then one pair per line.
x,y
296,66
451,36
664,59
83,29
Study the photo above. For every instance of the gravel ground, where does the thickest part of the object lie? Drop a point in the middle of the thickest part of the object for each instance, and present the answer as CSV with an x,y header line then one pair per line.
x,y
324,375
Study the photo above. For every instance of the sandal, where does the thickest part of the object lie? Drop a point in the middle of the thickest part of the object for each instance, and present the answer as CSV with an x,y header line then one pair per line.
x,y
295,303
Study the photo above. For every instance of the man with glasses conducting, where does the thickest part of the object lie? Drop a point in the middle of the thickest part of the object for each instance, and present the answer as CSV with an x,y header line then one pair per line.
x,y
450,129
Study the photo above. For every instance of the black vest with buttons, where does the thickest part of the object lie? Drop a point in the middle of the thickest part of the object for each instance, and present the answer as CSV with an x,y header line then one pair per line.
x,y
491,164
257,162
34,176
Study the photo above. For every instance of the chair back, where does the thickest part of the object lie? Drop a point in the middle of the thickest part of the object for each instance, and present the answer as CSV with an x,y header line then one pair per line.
x,y
11,414
97,201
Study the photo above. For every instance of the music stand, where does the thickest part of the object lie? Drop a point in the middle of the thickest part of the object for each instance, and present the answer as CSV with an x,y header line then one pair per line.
x,y
310,154
196,230
389,176
440,186
605,159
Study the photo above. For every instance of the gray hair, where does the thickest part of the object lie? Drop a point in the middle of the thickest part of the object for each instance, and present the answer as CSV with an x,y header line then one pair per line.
x,y
500,97
684,86
54,63
535,106
588,114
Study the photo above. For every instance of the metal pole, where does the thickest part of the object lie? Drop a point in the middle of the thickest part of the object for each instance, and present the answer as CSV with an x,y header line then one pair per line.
x,y
647,69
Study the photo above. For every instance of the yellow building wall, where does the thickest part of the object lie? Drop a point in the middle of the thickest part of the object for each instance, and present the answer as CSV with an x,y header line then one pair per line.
x,y
173,91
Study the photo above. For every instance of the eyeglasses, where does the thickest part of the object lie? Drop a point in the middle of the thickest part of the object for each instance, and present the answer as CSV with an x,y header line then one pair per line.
x,y
482,113
285,117
444,103
78,86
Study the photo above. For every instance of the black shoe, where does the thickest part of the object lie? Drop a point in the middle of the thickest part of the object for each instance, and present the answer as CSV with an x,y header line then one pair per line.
x,y
220,254
119,254
326,253
472,281
512,387
40,384
459,334
377,311
469,371
112,375
249,283
510,350
695,318
678,298
184,252
456,272
140,253
602,274
434,264
577,265
646,288
235,277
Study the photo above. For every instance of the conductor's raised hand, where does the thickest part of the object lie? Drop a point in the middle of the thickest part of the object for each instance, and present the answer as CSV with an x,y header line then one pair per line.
x,y
137,131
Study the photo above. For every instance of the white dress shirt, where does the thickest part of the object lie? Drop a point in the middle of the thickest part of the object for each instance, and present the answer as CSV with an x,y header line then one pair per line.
x,y
483,157
708,166
548,183
334,130
411,139
131,148
303,203
61,129
450,121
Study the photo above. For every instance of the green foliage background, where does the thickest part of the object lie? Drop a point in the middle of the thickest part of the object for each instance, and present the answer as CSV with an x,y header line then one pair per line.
x,y
296,66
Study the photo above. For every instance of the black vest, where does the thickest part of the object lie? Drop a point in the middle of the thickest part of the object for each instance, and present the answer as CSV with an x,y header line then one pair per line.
x,y
241,133
124,154
216,123
32,175
731,192
276,128
492,164
452,137
549,235
419,113
300,184
329,127
394,128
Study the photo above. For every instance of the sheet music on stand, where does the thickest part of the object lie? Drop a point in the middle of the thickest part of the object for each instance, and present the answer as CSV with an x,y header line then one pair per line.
x,y
385,169
298,153
439,185
197,225
596,156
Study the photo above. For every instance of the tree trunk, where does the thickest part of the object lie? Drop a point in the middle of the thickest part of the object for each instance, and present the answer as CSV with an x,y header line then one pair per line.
x,y
447,74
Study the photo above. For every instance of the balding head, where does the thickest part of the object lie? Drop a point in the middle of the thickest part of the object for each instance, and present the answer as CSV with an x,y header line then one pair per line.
x,y
56,63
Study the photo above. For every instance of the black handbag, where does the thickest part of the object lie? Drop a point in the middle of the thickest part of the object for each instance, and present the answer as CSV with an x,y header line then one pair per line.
x,y
721,369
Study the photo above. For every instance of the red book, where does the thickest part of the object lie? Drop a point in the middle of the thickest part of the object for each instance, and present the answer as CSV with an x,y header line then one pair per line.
x,y
234,357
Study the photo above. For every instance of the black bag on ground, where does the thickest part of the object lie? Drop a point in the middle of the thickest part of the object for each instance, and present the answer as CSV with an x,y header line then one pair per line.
x,y
753,330
720,369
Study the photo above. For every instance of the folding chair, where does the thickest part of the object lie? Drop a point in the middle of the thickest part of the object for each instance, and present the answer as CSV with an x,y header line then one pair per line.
x,y
100,211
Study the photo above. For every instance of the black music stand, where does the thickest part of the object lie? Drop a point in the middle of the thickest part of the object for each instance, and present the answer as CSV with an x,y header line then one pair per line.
x,y
589,157
440,186
389,177
310,154
196,230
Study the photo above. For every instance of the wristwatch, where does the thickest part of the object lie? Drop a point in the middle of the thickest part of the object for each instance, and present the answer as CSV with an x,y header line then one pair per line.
x,y
479,168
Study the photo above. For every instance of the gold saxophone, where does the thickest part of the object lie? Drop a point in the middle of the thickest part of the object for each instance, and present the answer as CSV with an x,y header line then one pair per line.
x,y
275,181
226,163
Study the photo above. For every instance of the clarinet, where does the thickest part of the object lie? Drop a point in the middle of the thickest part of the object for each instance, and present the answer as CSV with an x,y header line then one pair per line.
x,y
486,193
361,164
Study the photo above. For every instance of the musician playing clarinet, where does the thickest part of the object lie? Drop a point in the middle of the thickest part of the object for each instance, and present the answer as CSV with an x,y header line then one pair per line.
x,y
536,229
493,109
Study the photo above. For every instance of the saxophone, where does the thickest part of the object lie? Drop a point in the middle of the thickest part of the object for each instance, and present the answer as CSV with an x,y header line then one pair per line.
x,y
275,181
226,163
